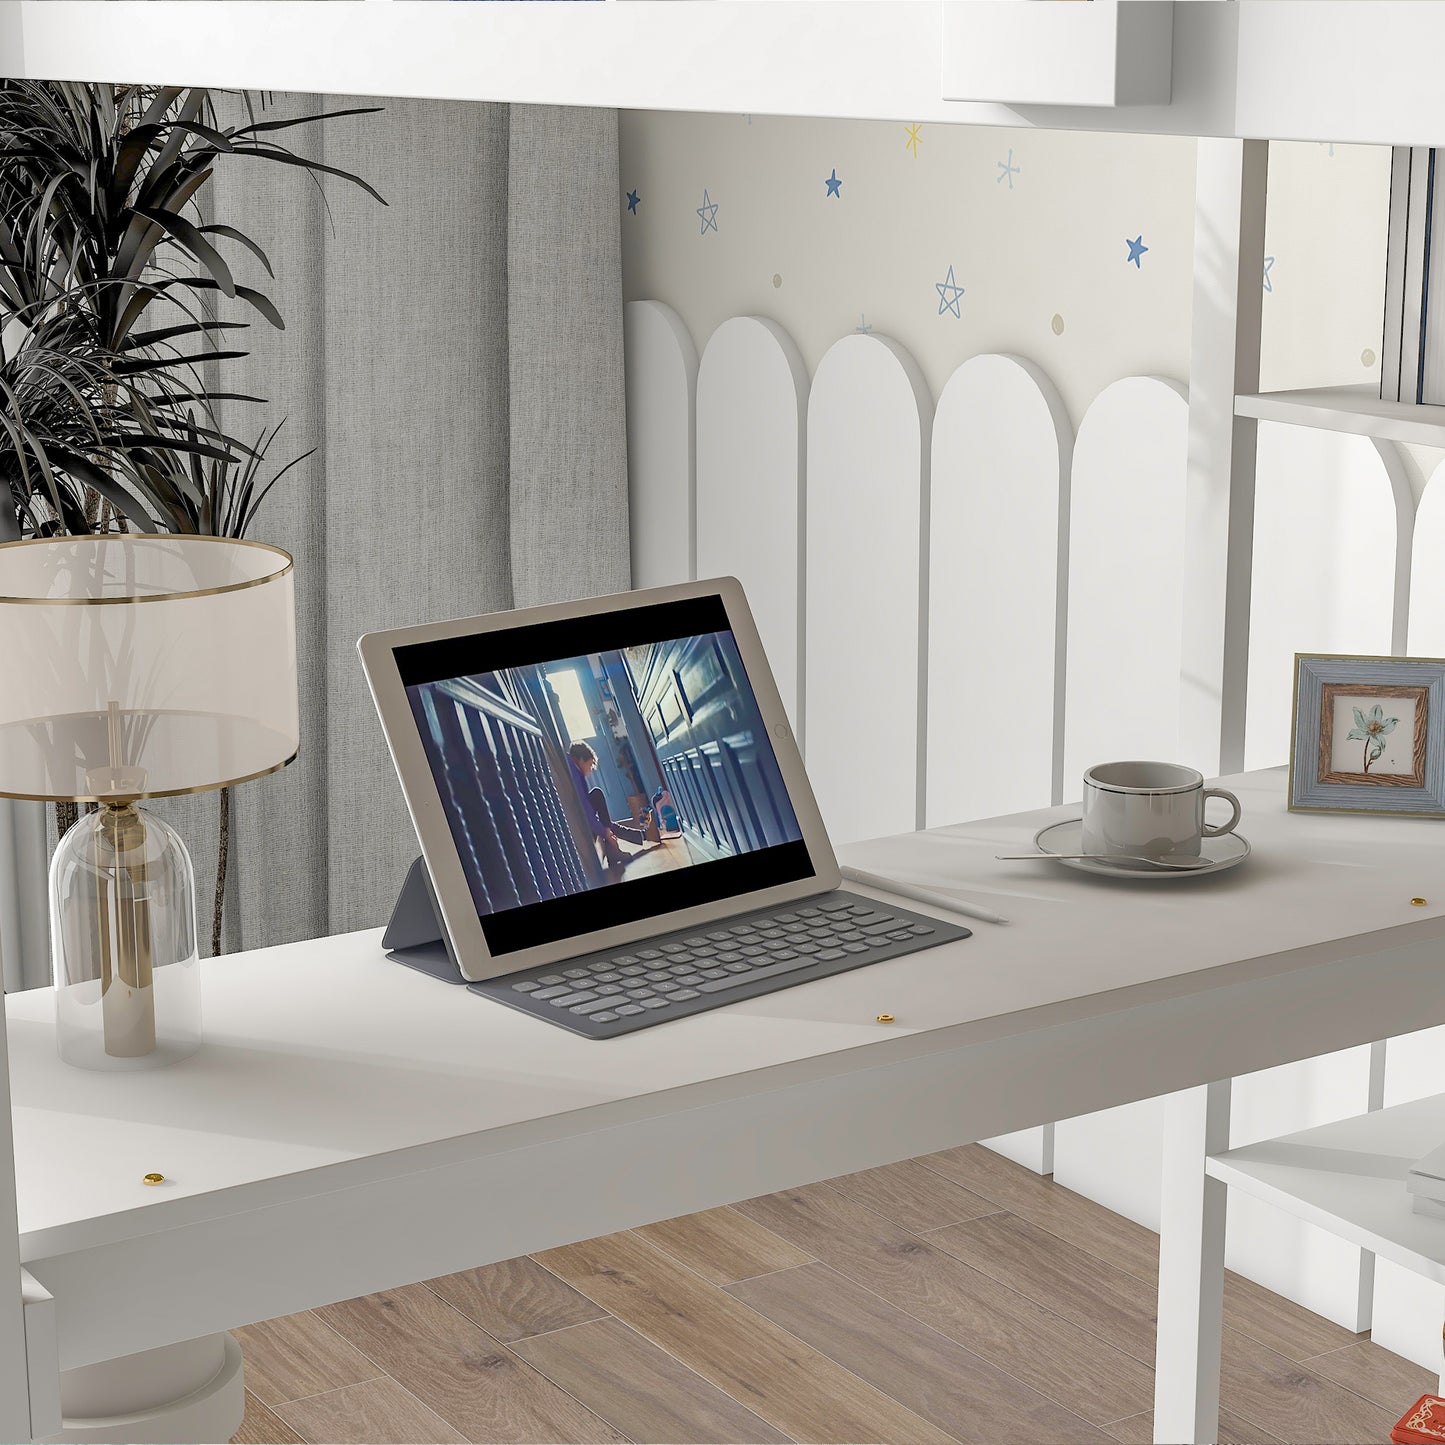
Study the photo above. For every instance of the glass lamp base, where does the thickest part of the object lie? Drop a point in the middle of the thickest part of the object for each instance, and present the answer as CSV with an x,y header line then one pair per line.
x,y
123,942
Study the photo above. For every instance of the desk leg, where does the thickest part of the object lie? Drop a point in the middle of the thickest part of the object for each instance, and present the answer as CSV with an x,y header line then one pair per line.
x,y
1191,1269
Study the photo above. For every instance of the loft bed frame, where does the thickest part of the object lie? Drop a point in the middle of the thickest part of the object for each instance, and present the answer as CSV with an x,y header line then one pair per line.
x,y
1238,75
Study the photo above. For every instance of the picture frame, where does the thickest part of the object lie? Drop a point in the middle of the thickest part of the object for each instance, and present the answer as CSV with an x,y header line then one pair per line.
x,y
1367,735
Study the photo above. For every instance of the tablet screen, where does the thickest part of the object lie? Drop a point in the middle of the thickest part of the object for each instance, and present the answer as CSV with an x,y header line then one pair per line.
x,y
600,770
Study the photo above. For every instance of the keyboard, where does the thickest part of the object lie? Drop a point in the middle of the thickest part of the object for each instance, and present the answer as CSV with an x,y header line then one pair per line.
x,y
618,991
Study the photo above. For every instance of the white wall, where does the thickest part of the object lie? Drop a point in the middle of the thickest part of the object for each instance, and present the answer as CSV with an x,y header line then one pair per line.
x,y
1053,246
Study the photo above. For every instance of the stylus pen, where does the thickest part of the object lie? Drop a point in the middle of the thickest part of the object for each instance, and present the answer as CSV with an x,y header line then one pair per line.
x,y
923,895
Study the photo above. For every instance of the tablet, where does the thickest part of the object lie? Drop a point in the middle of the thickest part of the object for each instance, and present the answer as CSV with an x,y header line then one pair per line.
x,y
586,775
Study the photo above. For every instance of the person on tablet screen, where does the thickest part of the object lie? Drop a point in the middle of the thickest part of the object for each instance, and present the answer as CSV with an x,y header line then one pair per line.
x,y
582,762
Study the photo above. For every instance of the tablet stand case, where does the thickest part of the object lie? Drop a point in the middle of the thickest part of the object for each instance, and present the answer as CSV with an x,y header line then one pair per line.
x,y
416,935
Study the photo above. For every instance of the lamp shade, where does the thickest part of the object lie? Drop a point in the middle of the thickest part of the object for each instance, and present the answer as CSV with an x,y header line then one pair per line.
x,y
144,666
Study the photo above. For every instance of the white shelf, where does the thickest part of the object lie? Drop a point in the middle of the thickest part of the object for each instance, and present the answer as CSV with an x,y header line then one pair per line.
x,y
1349,1178
1348,409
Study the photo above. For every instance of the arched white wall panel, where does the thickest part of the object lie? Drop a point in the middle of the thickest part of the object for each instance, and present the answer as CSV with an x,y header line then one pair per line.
x,y
1126,577
661,363
1001,449
869,416
1427,576
1329,511
752,398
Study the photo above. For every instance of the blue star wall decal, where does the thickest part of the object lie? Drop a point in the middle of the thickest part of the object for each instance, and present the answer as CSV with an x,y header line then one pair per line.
x,y
1268,267
948,294
1009,169
863,325
707,212
633,200
1136,249
834,185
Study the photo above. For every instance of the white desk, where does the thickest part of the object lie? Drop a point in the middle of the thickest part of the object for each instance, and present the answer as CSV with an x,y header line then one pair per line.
x,y
352,1126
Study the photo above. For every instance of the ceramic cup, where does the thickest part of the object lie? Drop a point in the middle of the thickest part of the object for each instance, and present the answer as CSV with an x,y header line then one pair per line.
x,y
1149,809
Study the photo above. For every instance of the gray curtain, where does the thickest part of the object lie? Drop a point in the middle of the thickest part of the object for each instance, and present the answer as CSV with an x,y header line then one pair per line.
x,y
455,358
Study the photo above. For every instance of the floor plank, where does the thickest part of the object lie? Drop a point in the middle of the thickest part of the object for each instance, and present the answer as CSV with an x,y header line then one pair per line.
x,y
476,1385
791,1385
514,1299
1278,1324
640,1389
299,1355
913,1195
378,1412
1035,1197
1139,1430
722,1245
261,1426
1291,1402
1075,1367
1058,1275
1378,1375
931,1374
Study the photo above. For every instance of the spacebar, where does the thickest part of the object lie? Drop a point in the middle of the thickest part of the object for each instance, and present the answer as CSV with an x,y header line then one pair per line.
x,y
771,971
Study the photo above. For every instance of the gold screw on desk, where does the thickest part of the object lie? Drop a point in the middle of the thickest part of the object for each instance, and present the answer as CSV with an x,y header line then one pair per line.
x,y
1418,902
885,1018
154,1179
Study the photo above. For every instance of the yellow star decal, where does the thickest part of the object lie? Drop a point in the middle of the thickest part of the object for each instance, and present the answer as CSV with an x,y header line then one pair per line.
x,y
914,139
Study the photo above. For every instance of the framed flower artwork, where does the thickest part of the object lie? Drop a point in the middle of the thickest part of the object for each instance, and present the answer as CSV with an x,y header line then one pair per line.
x,y
1368,735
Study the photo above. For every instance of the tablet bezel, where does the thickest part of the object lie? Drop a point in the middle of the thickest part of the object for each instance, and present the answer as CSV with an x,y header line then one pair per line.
x,y
428,815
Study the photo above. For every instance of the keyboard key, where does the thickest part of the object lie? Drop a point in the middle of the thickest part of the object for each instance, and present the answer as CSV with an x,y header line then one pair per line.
x,y
628,1009
657,977
654,1003
771,932
806,947
571,1000
829,954
855,948
852,936
632,970
901,935
622,958
689,980
785,917
526,987
807,913
771,971
834,905
683,994
667,986
860,908
556,991
919,929
605,1018
725,955
719,935
646,1000
608,976
776,945
883,925
649,953
674,948
738,967
574,973
603,988
696,941
596,1006
550,979
714,973
787,953
686,956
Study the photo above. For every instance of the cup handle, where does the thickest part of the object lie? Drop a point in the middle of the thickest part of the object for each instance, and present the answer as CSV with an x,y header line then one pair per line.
x,y
1229,827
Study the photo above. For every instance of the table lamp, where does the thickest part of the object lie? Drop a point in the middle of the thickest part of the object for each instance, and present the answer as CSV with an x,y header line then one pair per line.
x,y
134,667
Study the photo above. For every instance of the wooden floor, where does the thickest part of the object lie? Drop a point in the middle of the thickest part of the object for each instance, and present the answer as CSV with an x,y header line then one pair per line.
x,y
957,1297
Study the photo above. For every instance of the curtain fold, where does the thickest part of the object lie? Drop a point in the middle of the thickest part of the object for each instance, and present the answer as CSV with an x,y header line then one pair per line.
x,y
455,360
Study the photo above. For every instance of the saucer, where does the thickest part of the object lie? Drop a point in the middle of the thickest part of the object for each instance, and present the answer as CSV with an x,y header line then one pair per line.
x,y
1227,850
